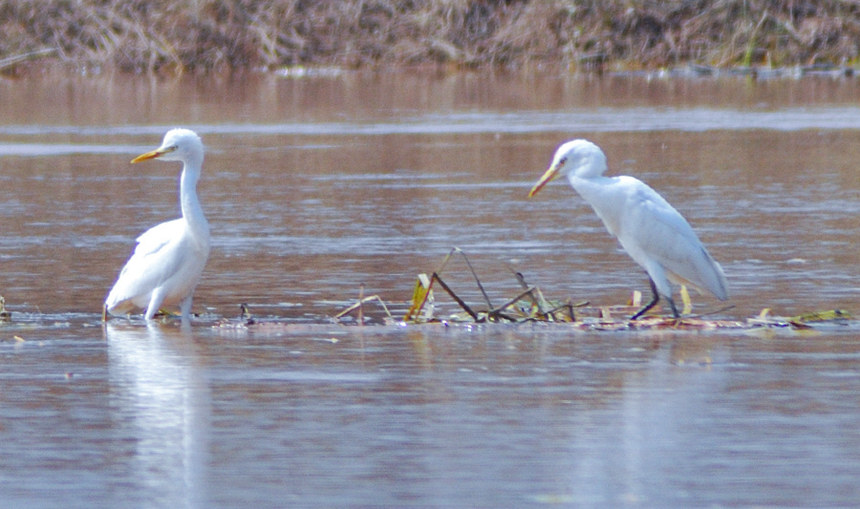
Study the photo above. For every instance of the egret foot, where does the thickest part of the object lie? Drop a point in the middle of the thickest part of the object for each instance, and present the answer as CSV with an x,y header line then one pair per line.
x,y
654,300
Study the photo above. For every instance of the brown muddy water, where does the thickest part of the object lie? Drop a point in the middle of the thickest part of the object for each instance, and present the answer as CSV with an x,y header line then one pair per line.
x,y
315,185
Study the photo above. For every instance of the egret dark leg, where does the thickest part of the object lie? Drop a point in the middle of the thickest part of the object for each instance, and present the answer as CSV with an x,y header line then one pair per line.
x,y
674,309
654,300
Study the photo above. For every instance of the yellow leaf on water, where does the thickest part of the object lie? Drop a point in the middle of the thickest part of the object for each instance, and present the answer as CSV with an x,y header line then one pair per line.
x,y
822,316
685,299
422,295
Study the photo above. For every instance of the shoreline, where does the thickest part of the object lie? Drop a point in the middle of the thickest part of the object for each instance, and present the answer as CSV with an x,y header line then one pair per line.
x,y
28,68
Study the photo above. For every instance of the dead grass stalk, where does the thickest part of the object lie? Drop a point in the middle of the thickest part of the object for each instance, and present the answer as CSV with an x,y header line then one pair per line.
x,y
142,35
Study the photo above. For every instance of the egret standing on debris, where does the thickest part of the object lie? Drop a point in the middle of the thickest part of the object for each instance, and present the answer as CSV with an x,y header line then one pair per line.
x,y
652,232
169,258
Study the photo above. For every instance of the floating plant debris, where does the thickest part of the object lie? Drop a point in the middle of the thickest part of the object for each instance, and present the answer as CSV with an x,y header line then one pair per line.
x,y
5,316
530,305
359,306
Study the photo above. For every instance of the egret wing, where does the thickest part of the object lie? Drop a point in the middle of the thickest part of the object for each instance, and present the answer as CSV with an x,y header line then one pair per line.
x,y
153,261
662,234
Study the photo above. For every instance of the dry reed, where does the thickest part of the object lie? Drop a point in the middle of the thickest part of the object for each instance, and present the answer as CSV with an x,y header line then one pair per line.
x,y
138,35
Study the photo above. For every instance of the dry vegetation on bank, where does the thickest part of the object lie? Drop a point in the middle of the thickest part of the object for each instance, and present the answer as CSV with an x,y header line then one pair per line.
x,y
141,35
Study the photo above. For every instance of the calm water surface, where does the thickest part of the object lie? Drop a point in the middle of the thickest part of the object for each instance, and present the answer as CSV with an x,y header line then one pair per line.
x,y
316,186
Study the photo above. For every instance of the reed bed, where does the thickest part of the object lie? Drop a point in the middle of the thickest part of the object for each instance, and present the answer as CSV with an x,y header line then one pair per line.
x,y
207,35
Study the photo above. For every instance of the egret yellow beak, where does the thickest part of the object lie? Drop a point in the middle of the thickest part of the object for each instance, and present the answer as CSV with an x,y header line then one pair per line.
x,y
153,154
551,174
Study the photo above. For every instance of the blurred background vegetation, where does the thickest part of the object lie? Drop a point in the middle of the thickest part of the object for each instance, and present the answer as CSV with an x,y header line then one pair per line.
x,y
210,35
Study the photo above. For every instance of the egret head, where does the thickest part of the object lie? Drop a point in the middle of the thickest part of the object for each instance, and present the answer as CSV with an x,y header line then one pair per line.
x,y
178,145
578,157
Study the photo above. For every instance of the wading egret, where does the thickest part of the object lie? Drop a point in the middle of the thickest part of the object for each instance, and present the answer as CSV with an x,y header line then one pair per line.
x,y
652,232
169,258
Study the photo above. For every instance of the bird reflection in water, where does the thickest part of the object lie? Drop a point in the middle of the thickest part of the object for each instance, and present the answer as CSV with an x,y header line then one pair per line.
x,y
162,398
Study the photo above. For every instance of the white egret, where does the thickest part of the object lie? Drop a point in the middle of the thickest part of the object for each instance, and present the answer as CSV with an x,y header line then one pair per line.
x,y
169,258
652,232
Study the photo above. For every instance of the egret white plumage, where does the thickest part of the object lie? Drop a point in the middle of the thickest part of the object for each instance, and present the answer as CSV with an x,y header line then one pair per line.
x,y
652,232
169,258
